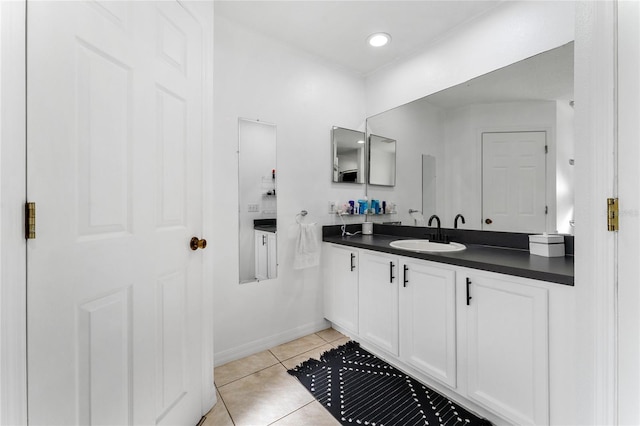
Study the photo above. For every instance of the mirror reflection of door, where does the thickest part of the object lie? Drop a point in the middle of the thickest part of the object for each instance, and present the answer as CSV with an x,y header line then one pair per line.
x,y
428,185
257,198
514,181
382,161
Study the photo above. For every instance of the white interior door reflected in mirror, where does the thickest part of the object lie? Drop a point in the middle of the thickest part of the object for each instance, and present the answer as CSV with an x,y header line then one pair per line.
x,y
514,169
382,161
428,184
348,155
257,198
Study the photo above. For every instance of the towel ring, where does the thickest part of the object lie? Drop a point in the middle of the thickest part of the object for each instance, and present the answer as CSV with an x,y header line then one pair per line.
x,y
301,215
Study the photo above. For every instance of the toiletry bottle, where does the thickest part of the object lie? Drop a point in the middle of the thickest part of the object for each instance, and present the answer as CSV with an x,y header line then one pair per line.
x,y
361,207
351,204
384,207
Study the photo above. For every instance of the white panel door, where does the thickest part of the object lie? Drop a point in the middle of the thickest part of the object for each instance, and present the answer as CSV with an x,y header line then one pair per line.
x,y
513,181
508,348
378,300
114,152
428,319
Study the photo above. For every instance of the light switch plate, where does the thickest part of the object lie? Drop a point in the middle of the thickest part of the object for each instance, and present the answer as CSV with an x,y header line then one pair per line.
x,y
253,208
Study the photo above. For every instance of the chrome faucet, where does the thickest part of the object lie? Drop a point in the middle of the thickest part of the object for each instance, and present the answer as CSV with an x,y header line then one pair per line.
x,y
438,237
455,221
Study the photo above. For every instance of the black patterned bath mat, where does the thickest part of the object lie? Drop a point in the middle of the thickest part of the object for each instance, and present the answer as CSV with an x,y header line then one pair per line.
x,y
359,388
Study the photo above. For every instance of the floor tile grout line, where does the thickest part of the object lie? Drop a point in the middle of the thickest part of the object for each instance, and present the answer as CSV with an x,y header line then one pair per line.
x,y
308,350
224,405
288,414
251,374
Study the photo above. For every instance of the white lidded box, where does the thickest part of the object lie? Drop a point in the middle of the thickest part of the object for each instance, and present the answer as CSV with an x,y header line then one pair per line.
x,y
547,245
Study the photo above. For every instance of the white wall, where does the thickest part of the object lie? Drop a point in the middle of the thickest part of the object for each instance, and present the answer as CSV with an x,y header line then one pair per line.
x,y
262,79
507,34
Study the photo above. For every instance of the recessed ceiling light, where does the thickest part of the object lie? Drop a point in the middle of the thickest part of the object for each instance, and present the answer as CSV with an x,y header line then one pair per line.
x,y
378,39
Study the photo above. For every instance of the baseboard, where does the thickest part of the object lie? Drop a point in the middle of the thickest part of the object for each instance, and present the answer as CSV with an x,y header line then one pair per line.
x,y
265,343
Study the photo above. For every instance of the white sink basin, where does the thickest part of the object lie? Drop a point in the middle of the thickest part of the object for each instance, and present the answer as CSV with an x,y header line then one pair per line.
x,y
427,246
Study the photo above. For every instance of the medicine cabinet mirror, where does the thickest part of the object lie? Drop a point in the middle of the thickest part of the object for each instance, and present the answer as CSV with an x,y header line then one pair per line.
x,y
477,136
348,155
257,197
382,161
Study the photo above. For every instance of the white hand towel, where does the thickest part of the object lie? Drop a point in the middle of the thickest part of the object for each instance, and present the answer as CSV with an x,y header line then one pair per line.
x,y
307,253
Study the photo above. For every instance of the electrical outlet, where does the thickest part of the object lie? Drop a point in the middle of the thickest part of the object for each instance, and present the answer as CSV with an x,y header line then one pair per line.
x,y
253,208
332,207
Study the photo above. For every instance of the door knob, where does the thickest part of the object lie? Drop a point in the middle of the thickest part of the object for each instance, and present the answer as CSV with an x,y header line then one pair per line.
x,y
488,221
196,243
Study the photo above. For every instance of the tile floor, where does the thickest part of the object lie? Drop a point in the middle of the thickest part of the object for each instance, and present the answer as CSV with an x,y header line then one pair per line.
x,y
257,390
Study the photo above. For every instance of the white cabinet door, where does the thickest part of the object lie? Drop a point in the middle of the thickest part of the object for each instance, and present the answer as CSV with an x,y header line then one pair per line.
x,y
261,258
341,287
508,348
378,300
272,256
428,319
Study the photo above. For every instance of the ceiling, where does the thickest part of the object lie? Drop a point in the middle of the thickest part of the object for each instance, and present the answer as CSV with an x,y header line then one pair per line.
x,y
337,30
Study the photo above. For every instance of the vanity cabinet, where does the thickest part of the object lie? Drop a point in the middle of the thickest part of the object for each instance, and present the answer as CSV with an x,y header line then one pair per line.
x,y
341,286
265,255
481,335
507,327
428,319
378,300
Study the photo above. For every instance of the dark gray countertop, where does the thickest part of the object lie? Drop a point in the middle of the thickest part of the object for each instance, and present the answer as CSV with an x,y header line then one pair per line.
x,y
487,258
266,225
266,228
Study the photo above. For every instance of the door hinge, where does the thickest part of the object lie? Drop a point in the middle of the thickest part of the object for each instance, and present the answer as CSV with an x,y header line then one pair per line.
x,y
612,214
546,209
30,221
546,149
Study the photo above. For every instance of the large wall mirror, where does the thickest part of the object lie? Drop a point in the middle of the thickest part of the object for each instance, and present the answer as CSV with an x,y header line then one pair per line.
x,y
497,149
348,155
257,198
